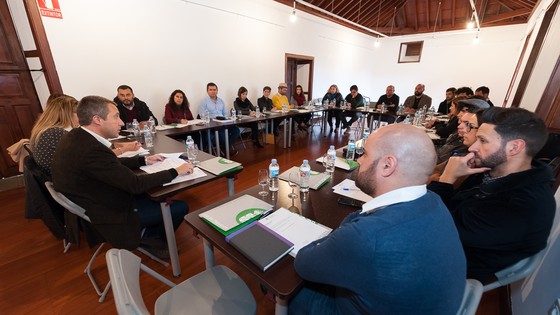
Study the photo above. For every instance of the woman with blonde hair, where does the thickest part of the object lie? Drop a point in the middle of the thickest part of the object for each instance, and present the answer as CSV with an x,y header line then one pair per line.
x,y
59,117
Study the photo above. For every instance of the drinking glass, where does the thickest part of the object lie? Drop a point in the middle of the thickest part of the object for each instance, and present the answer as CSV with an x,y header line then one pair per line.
x,y
263,181
293,181
192,153
360,147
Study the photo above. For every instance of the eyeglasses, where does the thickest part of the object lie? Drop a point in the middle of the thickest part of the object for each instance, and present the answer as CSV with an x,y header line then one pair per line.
x,y
469,126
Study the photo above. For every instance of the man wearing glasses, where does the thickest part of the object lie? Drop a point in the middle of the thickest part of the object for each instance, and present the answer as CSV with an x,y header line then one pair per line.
x,y
505,207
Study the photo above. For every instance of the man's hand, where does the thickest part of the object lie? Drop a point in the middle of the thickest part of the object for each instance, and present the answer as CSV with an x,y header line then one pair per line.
x,y
185,169
154,159
128,146
252,113
459,166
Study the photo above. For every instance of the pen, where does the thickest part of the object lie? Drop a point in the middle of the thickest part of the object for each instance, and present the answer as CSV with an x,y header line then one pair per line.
x,y
351,189
264,214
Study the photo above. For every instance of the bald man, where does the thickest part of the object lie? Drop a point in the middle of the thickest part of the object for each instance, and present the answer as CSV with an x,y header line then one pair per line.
x,y
400,253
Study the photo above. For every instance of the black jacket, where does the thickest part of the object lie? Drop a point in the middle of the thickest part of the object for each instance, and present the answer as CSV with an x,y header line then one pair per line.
x,y
501,221
89,174
143,111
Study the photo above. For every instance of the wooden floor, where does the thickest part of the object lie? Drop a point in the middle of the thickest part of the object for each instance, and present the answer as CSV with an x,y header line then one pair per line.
x,y
36,277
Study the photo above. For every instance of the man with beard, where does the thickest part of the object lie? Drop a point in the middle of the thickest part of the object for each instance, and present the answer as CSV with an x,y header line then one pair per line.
x,y
505,208
400,253
130,107
418,100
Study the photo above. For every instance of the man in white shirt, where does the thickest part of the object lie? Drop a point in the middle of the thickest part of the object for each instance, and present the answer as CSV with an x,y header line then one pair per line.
x,y
215,106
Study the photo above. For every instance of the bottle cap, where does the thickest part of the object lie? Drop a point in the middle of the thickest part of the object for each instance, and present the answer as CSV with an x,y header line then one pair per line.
x,y
331,147
273,161
305,162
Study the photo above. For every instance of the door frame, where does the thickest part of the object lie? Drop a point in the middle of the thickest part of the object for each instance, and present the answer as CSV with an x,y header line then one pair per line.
x,y
293,60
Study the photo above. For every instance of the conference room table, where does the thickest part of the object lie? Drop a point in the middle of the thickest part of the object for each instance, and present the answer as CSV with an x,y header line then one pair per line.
x,y
165,144
281,279
216,126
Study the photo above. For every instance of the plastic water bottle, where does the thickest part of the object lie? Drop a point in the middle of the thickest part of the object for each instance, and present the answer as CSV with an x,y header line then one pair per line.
x,y
400,109
233,113
152,125
383,107
331,160
284,108
417,121
135,129
273,173
366,133
148,140
189,143
304,176
407,119
258,112
351,148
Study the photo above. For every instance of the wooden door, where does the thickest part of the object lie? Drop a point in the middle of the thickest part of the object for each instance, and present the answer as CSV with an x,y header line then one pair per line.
x,y
19,104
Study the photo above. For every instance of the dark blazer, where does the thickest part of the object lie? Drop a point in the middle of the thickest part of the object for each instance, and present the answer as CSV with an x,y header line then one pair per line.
x,y
89,174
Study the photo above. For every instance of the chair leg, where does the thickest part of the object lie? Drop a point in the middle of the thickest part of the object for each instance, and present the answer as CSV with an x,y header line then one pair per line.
x,y
66,246
145,252
104,294
88,272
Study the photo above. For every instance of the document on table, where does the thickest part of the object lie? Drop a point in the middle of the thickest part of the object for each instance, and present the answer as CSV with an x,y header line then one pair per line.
x,y
316,180
117,138
140,151
173,163
165,127
295,228
348,188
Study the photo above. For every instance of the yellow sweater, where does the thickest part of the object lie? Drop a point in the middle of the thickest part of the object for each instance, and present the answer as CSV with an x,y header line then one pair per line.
x,y
278,100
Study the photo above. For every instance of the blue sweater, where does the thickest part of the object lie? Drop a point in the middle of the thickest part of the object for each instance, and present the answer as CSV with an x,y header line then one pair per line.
x,y
403,259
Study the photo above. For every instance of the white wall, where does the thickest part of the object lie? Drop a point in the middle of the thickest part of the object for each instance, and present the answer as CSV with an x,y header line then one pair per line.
x,y
158,46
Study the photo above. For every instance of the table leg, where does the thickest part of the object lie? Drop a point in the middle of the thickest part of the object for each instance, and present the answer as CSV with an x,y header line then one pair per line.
x,y
285,131
230,184
171,243
281,306
208,253
266,132
217,135
226,139
208,135
290,134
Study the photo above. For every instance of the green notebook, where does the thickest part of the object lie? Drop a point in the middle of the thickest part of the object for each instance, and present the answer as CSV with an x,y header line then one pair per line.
x,y
235,214
219,165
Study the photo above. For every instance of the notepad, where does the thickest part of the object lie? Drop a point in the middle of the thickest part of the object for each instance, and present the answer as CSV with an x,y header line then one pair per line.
x,y
260,244
219,165
316,181
295,228
233,215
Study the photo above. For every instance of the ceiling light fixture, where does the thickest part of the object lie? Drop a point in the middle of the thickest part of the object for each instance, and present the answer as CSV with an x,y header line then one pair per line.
x,y
377,43
476,40
437,17
293,16
475,15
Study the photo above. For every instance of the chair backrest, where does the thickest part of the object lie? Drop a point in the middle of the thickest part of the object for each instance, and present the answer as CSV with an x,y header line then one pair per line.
x,y
124,272
66,203
471,297
517,271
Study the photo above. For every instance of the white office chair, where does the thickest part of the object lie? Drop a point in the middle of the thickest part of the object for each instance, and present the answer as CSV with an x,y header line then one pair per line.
x,y
471,297
80,212
213,291
517,271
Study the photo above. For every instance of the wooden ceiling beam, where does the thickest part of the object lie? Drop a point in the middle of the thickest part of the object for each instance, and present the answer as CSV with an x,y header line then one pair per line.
x,y
507,15
427,7
453,13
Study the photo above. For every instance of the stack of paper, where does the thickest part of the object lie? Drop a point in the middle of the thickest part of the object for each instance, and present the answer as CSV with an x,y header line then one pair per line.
x,y
165,127
140,151
227,120
348,188
316,181
233,215
295,228
173,162
219,165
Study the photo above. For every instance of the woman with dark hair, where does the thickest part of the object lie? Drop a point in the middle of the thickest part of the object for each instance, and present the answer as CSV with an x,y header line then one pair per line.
x,y
244,106
177,109
298,100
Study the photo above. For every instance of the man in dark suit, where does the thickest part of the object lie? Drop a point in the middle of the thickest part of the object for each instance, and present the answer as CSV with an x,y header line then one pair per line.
x,y
87,172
